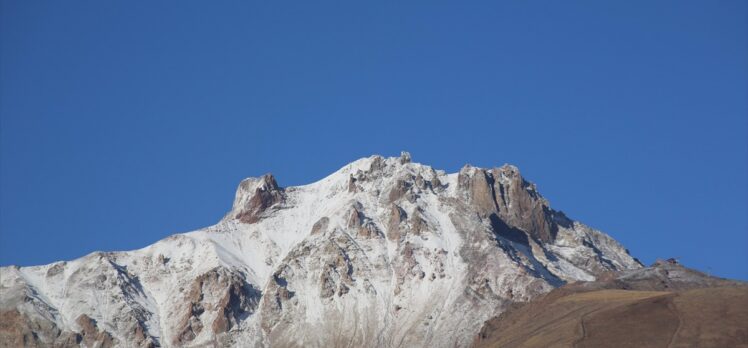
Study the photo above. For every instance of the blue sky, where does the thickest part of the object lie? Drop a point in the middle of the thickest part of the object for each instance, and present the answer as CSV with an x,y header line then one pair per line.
x,y
124,122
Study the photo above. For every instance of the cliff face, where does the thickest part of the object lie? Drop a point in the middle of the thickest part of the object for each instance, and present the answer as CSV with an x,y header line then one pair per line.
x,y
383,252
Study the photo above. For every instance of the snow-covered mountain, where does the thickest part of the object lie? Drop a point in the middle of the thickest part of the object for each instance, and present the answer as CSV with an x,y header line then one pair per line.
x,y
382,253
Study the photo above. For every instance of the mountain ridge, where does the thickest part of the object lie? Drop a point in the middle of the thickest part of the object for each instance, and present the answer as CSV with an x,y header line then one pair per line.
x,y
308,266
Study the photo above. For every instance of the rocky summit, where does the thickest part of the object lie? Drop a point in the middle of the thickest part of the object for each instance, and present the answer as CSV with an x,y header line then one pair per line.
x,y
382,253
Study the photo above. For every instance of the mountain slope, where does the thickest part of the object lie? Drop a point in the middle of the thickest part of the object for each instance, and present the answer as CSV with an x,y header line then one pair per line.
x,y
383,252
665,305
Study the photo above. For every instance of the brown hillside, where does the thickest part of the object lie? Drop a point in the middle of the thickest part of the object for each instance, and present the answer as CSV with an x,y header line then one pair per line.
x,y
603,314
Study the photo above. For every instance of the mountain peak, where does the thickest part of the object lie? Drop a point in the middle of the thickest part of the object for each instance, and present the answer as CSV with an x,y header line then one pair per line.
x,y
384,252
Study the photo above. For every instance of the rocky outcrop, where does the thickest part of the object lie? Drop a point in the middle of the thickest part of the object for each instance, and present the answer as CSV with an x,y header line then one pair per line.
x,y
336,276
92,335
320,226
254,197
277,297
397,216
19,330
222,298
502,193
361,225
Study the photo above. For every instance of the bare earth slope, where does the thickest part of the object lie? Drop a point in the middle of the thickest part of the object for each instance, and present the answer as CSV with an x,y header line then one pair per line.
x,y
666,305
382,253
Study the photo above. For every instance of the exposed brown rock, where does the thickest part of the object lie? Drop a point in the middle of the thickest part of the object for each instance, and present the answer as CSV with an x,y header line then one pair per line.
x,y
397,215
190,325
352,187
437,259
502,193
236,298
327,285
17,331
407,267
399,190
420,182
363,227
240,299
355,219
477,184
521,206
276,296
436,183
417,223
56,269
320,226
264,193
377,164
336,275
92,334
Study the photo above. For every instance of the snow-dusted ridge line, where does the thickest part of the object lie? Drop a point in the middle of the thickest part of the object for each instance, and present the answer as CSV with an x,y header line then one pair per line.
x,y
383,252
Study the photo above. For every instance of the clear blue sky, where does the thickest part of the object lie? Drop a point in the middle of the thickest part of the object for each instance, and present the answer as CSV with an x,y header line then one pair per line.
x,y
124,122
